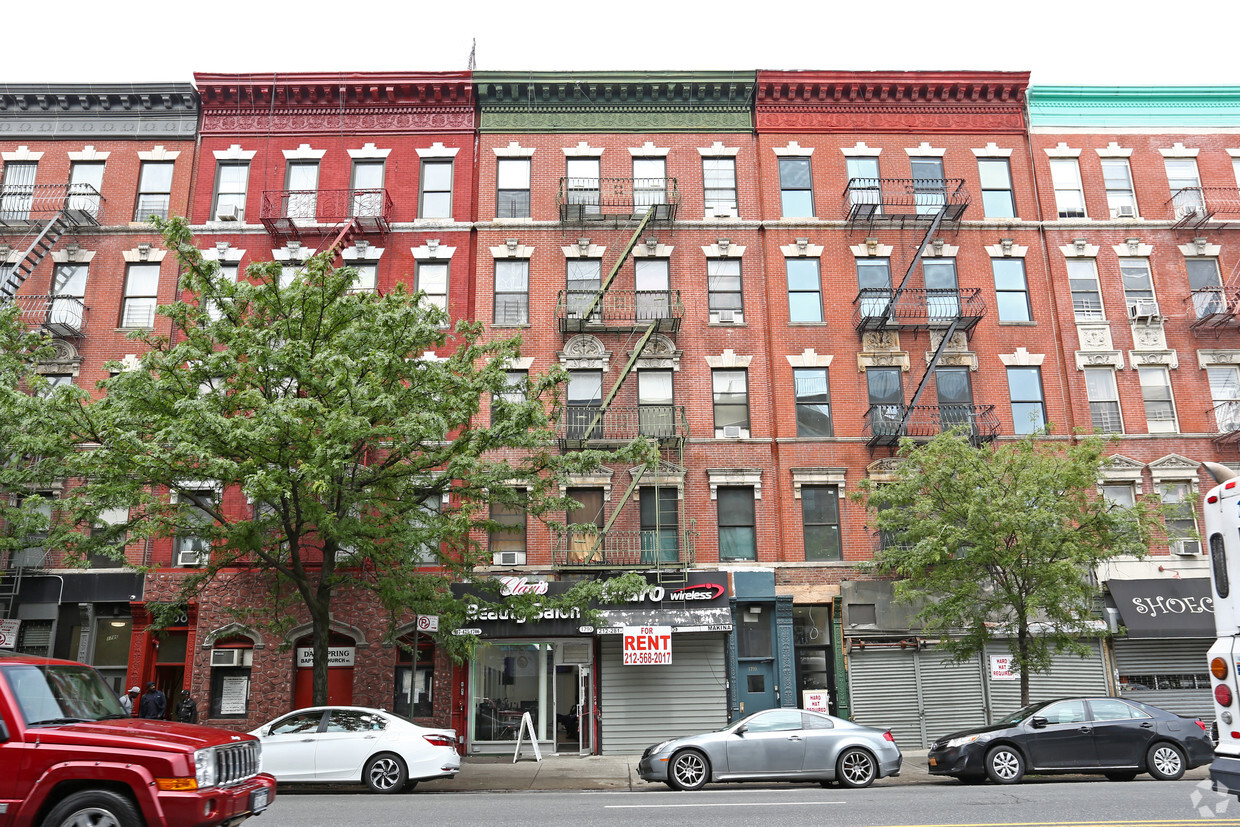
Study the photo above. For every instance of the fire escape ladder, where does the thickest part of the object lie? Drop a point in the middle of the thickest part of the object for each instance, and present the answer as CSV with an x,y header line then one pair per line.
x,y
921,251
10,584
597,420
347,233
615,268
44,241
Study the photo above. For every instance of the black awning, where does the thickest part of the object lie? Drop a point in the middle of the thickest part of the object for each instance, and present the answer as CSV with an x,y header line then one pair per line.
x,y
1167,607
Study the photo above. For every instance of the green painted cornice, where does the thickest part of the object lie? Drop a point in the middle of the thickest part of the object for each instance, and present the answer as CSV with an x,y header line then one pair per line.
x,y
615,101
1135,106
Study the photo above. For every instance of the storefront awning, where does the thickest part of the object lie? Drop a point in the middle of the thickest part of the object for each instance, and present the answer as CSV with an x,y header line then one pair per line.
x,y
1167,607
717,619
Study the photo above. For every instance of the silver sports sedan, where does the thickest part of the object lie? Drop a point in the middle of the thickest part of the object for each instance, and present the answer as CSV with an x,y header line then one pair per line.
x,y
775,745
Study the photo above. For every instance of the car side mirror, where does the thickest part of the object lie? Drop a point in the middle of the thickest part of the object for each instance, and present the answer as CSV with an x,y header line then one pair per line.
x,y
741,730
1037,722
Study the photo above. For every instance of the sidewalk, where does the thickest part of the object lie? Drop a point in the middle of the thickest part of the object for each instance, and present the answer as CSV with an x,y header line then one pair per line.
x,y
619,772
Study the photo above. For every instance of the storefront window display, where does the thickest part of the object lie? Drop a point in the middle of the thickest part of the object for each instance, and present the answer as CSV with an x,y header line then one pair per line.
x,y
509,680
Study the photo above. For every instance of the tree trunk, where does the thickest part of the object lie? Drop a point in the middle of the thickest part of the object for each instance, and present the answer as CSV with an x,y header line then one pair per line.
x,y
1022,649
320,618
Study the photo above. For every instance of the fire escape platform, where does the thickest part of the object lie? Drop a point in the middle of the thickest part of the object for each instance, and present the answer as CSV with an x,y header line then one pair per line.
x,y
315,213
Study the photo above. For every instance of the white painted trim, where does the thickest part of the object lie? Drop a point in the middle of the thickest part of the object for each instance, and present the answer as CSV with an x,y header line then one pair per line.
x,y
304,153
924,150
591,250
718,150
583,150
817,476
1178,150
513,150
438,150
1014,251
992,150
728,359
809,358
880,251
1062,151
861,150
370,253
368,151
515,251
648,150
1085,251
62,256
22,153
1137,250
734,476
234,153
1114,150
1191,250
715,251
89,153
153,256
794,251
1022,358
158,153
430,251
793,149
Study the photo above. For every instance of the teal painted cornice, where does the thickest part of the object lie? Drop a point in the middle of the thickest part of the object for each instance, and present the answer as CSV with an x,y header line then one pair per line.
x,y
1151,106
615,101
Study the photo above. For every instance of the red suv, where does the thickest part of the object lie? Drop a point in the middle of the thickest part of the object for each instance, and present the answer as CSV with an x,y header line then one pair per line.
x,y
70,755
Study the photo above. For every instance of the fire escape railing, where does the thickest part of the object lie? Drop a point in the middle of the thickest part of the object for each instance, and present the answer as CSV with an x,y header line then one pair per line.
x,y
901,199
881,308
292,212
887,424
619,309
583,199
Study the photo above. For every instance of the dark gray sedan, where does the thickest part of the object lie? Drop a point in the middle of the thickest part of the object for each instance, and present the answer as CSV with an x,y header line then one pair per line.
x,y
775,745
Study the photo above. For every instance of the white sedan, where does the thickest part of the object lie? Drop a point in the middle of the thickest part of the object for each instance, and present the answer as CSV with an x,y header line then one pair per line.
x,y
356,744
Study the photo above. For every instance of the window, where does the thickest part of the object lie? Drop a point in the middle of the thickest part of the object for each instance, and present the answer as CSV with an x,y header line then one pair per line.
x,y
1028,407
1159,406
731,397
656,416
820,521
192,547
68,290
85,186
582,543
584,278
929,187
649,182
507,539
1185,183
1119,494
653,296
660,524
154,190
864,185
512,291
996,179
432,279
366,278
366,189
512,181
1180,519
804,290
231,180
813,402
302,183
1069,197
796,188
955,394
585,404
436,196
425,519
873,286
226,273
723,289
886,396
40,513
1225,392
17,190
738,538
1103,401
583,184
1206,287
1117,178
230,685
1086,297
515,384
1011,289
719,183
942,291
141,286
1138,286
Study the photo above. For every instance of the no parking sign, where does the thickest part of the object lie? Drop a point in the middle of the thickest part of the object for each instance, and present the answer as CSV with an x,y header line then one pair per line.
x,y
8,633
428,623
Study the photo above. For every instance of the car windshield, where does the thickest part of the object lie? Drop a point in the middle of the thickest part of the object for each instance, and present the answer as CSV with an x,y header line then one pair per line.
x,y
60,693
1020,714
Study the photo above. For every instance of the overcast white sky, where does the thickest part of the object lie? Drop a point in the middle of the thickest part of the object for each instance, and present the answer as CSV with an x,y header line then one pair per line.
x,y
1062,42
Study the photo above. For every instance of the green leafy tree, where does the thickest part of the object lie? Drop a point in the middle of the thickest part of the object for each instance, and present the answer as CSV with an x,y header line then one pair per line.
x,y
299,430
1000,541
32,459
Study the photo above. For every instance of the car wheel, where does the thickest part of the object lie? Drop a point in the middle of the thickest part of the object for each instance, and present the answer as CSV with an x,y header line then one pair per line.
x,y
689,770
1004,765
1120,776
385,773
856,768
1165,761
98,808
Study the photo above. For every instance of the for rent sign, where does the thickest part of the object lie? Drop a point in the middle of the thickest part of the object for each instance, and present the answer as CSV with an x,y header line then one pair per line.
x,y
647,645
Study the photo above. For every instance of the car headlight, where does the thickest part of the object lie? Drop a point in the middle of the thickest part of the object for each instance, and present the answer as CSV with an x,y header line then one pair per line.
x,y
966,739
662,746
204,767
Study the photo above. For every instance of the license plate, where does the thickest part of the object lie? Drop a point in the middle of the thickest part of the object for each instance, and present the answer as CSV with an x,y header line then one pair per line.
x,y
259,799
934,762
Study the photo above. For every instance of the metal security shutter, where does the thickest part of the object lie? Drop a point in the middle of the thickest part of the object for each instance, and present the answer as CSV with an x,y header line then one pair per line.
x,y
952,695
642,705
1068,675
1161,658
919,694
883,686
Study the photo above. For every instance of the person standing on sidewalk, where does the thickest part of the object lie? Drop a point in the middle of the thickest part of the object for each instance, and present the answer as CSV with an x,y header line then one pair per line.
x,y
153,704
128,698
187,709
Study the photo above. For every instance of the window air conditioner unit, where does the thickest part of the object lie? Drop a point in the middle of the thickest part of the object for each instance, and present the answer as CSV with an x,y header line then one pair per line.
x,y
574,212
227,213
189,558
509,558
731,431
225,657
1126,211
1188,548
1144,309
1185,210
720,211
727,317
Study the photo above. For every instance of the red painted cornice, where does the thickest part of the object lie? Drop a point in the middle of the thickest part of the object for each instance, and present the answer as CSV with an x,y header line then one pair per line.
x,y
305,103
831,101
